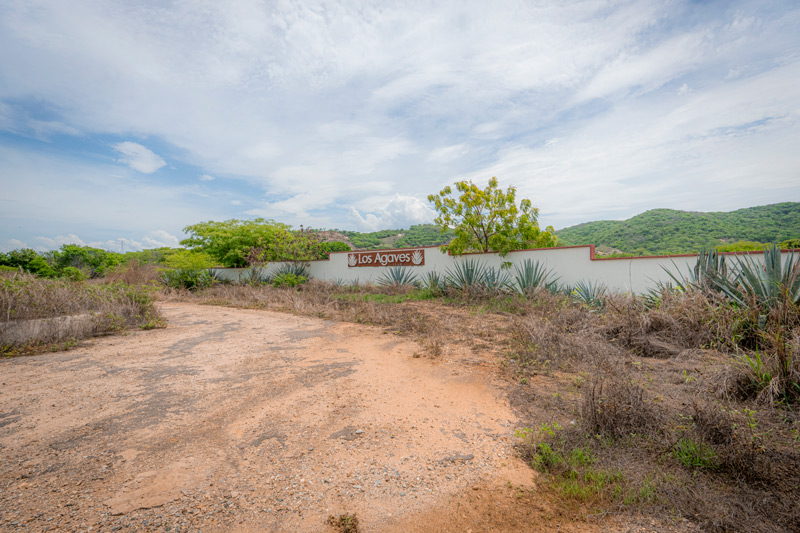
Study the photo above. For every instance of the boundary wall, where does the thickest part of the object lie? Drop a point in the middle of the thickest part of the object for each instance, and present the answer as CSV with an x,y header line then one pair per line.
x,y
569,264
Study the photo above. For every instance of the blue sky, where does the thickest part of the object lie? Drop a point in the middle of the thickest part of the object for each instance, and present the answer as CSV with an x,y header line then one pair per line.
x,y
121,122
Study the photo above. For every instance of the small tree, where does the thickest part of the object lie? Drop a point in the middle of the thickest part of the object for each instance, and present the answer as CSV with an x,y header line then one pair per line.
x,y
489,220
301,246
230,242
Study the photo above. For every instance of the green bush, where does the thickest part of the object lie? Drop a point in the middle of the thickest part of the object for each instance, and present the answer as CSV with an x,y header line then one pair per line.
x,y
288,279
73,274
187,278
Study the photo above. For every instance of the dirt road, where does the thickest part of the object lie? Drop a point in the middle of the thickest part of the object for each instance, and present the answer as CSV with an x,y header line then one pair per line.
x,y
256,421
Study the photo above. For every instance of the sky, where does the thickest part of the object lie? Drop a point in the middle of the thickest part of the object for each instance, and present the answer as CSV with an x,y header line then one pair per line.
x,y
124,121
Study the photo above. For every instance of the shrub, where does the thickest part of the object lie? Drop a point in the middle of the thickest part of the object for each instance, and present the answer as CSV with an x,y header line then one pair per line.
x,y
287,279
186,278
592,294
296,268
73,274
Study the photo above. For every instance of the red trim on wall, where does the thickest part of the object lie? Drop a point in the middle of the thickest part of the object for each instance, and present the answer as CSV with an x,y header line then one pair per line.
x,y
592,256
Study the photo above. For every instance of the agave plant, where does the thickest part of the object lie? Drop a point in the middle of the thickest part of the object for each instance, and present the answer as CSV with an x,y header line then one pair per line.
x,y
709,267
217,277
397,276
496,279
765,286
590,293
295,268
532,275
467,274
254,276
434,282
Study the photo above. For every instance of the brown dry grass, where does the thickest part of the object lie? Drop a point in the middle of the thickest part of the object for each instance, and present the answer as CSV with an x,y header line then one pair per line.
x,y
40,314
435,326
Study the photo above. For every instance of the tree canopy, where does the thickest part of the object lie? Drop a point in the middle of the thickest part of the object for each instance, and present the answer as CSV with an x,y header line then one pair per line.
x,y
238,243
230,241
489,220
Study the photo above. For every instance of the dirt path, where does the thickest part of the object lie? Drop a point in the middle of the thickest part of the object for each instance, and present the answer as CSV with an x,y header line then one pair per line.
x,y
256,421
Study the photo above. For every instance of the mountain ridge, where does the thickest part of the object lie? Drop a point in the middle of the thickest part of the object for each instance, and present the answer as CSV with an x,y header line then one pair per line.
x,y
672,231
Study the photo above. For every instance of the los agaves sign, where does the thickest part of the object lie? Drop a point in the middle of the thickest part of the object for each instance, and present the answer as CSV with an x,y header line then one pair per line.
x,y
387,258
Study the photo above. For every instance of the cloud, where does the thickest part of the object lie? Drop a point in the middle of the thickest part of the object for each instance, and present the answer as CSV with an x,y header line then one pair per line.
x,y
308,109
13,244
138,157
397,212
160,238
51,243
153,239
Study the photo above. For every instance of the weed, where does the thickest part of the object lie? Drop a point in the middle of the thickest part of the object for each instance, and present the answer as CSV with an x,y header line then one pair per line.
x,y
344,523
695,455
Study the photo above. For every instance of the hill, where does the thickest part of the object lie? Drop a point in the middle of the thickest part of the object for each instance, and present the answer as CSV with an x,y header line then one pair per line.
x,y
669,231
417,235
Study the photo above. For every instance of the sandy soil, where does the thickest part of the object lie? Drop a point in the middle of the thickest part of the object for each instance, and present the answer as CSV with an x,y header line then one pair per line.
x,y
237,420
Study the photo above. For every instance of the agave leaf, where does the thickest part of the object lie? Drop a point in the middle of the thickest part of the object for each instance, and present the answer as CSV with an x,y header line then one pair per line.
x,y
466,274
397,276
530,276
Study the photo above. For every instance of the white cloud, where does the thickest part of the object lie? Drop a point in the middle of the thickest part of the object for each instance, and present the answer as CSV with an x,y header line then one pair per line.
x,y
236,202
154,239
138,157
327,105
52,243
160,238
13,244
397,212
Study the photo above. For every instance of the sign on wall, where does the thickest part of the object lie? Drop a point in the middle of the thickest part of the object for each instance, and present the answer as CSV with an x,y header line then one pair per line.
x,y
387,258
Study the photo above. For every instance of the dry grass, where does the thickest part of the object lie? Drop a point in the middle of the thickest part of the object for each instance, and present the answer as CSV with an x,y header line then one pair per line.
x,y
674,406
39,313
403,310
134,273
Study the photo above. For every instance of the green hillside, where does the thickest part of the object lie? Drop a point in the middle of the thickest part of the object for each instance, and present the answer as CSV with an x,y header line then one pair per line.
x,y
418,235
668,231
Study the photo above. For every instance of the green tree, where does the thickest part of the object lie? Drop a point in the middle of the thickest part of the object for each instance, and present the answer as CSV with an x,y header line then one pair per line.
x,y
230,242
489,220
188,259
238,243
302,245
29,261
93,261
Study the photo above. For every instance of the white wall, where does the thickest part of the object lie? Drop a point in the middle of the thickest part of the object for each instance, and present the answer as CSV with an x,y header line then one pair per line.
x,y
570,264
